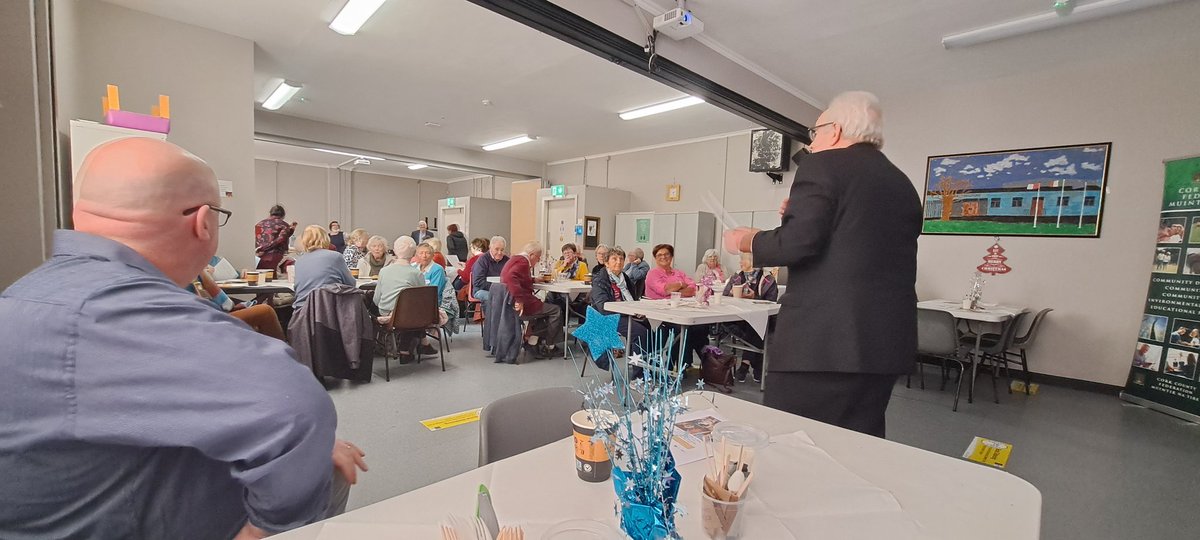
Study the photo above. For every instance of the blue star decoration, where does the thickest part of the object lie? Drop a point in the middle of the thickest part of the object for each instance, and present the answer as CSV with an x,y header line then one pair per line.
x,y
599,331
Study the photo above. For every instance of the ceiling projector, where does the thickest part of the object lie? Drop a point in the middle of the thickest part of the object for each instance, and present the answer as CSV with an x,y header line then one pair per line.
x,y
678,24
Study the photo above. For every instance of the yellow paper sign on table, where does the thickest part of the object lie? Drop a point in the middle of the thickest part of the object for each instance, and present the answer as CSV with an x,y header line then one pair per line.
x,y
451,420
988,452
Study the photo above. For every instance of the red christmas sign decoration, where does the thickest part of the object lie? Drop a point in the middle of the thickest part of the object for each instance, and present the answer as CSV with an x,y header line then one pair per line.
x,y
993,262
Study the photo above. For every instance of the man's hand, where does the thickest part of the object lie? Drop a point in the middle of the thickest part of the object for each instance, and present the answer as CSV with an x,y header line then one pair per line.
x,y
738,240
250,532
346,458
783,207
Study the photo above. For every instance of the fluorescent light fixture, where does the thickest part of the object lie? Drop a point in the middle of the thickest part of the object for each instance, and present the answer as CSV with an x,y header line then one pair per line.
x,y
661,107
509,142
416,166
353,15
348,154
1047,20
280,95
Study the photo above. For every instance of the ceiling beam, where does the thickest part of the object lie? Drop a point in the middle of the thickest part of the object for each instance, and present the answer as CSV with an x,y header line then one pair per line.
x,y
550,19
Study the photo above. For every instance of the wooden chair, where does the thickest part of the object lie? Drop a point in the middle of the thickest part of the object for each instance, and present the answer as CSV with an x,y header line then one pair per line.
x,y
263,319
416,310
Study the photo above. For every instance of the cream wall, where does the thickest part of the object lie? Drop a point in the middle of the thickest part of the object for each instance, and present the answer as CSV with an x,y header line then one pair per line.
x,y
718,165
385,205
207,74
489,187
1148,107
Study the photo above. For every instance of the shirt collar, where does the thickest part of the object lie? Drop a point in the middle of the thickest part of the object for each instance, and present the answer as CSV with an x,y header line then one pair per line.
x,y
68,243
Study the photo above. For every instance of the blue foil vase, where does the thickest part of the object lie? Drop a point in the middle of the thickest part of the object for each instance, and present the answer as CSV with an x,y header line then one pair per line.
x,y
644,516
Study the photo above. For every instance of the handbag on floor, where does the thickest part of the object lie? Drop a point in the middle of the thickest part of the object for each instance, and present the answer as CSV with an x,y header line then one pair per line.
x,y
717,368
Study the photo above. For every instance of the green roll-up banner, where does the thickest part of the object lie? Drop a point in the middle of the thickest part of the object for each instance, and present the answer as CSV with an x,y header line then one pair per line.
x,y
1164,370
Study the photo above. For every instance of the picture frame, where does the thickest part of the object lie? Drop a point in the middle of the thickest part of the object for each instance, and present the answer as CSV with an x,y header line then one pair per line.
x,y
591,232
673,192
769,151
1050,191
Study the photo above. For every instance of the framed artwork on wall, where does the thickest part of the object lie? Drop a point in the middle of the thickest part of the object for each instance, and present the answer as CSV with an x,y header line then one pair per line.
x,y
672,192
591,232
1055,191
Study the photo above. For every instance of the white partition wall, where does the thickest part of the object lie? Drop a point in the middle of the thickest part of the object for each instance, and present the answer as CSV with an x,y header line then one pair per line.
x,y
558,217
691,233
475,217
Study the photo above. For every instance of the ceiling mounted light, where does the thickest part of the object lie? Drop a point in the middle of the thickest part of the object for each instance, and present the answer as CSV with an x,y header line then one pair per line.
x,y
416,166
1062,14
280,95
661,107
509,142
353,15
348,154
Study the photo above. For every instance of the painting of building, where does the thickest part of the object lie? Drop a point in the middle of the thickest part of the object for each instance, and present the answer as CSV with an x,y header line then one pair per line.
x,y
1054,191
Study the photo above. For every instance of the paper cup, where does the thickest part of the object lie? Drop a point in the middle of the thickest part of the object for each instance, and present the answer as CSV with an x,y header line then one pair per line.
x,y
716,298
591,459
354,273
737,291
676,298
266,275
722,520
252,277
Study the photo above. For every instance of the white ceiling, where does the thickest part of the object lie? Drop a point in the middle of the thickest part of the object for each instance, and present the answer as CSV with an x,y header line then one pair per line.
x,y
824,47
420,61
435,60
307,156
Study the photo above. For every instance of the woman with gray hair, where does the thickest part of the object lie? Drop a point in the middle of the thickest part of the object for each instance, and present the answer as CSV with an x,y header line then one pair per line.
x,y
376,257
711,265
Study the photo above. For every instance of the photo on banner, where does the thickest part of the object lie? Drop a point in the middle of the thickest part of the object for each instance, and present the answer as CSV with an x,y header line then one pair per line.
x,y
1154,327
1165,377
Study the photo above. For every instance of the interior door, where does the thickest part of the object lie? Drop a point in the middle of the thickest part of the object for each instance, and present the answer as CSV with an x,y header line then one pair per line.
x,y
560,222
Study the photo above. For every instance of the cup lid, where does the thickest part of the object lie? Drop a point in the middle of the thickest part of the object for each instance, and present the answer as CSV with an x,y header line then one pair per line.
x,y
742,434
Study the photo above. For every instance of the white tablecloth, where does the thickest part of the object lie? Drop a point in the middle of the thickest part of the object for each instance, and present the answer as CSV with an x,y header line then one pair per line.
x,y
755,312
990,313
842,485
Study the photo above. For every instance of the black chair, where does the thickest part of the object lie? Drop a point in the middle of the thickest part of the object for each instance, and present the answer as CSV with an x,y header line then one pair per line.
x,y
992,350
1016,351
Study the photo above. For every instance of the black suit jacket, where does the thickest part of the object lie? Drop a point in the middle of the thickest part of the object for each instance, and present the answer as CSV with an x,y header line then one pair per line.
x,y
849,240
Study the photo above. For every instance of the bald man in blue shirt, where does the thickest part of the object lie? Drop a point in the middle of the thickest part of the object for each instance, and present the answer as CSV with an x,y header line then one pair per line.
x,y
129,407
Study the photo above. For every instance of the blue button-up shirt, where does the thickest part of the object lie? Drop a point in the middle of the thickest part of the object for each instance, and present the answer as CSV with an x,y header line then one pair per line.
x,y
130,408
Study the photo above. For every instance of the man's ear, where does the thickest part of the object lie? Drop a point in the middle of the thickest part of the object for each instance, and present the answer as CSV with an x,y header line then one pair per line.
x,y
202,226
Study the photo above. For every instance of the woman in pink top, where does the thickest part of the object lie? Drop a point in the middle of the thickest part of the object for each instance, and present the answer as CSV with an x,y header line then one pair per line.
x,y
663,279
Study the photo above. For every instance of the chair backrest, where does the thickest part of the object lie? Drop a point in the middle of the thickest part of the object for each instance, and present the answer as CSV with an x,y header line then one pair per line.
x,y
416,308
1025,340
936,332
522,422
263,319
1007,335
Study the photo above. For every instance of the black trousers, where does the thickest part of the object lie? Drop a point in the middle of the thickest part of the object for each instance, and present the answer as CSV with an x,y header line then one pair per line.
x,y
855,401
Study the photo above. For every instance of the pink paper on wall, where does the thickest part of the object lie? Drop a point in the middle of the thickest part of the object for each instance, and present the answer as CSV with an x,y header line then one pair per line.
x,y
144,122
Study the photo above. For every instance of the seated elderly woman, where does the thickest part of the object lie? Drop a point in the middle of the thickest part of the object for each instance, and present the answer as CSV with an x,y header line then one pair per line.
x,y
356,247
570,265
376,257
664,279
434,273
438,257
317,265
753,283
613,285
711,266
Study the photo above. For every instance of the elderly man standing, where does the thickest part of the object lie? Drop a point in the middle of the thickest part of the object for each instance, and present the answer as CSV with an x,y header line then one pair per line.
x,y
130,408
489,265
517,277
422,233
849,239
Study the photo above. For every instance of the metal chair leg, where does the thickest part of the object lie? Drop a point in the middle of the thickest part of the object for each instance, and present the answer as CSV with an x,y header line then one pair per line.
x,y
1025,369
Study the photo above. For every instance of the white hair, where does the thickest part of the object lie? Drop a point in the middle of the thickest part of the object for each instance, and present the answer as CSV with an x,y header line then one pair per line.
x,y
498,239
404,247
859,115
712,254
532,247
